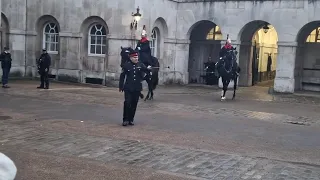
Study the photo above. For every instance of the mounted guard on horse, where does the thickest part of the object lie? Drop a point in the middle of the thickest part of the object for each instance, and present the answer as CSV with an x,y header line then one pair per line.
x,y
227,67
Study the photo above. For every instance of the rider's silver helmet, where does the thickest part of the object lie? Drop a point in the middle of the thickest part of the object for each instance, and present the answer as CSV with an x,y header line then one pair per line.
x,y
229,40
144,33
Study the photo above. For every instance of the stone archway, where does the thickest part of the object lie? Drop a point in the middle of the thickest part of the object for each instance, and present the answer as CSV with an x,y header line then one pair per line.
x,y
205,45
4,32
160,30
42,39
258,54
307,64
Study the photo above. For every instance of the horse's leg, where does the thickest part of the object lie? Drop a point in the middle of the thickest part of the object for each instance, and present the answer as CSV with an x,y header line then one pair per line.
x,y
147,96
235,86
151,85
151,97
224,89
149,88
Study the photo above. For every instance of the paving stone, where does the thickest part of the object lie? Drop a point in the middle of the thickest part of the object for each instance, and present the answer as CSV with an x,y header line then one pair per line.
x,y
172,159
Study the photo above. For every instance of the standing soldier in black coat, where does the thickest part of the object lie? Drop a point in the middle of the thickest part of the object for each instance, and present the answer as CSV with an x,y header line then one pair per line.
x,y
5,58
133,72
44,63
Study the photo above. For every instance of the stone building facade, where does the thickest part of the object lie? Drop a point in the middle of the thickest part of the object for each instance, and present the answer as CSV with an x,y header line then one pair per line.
x,y
84,36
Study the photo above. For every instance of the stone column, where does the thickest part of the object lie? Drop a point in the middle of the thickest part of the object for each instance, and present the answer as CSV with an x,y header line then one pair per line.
x,y
68,65
1,12
31,56
113,68
299,63
176,56
285,80
18,50
245,63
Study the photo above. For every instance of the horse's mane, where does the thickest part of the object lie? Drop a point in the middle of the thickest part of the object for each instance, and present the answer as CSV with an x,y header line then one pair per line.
x,y
125,55
228,62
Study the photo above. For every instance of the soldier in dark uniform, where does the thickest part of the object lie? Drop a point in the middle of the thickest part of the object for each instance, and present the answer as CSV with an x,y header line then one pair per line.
x,y
133,72
44,63
144,49
5,58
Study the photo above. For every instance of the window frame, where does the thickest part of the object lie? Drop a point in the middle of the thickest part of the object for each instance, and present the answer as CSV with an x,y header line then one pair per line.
x,y
154,42
214,33
95,35
55,35
313,38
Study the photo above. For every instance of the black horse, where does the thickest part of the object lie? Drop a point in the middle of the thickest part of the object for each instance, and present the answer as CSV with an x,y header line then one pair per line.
x,y
152,79
228,69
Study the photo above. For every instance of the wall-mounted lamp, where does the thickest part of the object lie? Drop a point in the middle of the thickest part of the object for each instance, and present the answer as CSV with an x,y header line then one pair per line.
x,y
136,19
266,28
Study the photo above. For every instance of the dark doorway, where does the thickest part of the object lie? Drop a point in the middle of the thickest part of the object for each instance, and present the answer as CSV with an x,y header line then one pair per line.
x,y
258,54
204,50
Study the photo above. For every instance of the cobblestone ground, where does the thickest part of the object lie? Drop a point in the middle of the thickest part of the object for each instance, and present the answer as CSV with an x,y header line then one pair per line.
x,y
30,123
197,163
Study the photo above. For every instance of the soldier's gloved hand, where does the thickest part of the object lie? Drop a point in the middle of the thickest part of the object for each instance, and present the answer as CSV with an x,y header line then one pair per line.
x,y
46,69
149,67
139,48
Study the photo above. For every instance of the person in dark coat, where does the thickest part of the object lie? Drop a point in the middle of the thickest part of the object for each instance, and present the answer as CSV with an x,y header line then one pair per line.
x,y
130,82
5,58
144,49
210,72
269,63
44,63
269,66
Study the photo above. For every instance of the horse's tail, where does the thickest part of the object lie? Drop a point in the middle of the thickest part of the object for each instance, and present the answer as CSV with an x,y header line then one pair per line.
x,y
155,80
155,73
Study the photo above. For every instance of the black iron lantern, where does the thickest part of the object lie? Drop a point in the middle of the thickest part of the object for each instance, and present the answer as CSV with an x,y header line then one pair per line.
x,y
136,18
265,28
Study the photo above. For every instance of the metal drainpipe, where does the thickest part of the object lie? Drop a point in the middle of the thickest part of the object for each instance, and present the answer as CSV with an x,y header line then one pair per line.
x,y
25,41
175,47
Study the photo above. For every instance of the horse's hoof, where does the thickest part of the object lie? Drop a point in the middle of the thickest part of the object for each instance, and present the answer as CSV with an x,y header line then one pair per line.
x,y
223,98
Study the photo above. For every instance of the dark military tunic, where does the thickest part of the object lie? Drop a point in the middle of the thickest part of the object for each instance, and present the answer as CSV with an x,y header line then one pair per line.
x,y
6,61
144,49
130,82
44,63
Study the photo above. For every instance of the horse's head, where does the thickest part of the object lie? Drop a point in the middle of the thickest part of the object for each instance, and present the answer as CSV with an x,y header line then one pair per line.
x,y
125,54
125,51
230,58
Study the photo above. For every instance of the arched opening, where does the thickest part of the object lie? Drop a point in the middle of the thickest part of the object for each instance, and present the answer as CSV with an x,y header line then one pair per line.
x,y
205,37
95,42
4,32
155,42
48,29
307,67
258,54
160,29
